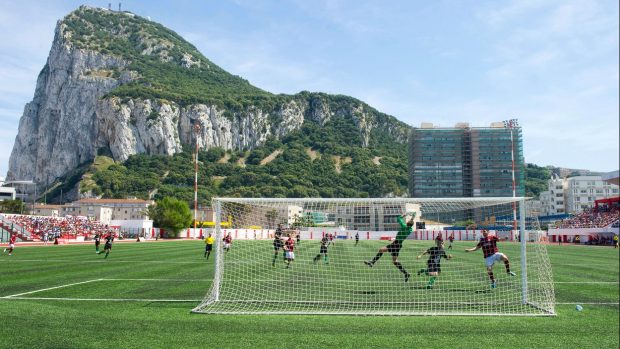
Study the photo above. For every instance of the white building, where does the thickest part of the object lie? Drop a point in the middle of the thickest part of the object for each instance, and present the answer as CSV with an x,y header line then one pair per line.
x,y
552,200
582,191
7,193
377,217
575,194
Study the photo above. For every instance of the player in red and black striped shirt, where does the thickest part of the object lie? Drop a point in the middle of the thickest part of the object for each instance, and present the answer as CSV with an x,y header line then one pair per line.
x,y
491,255
289,247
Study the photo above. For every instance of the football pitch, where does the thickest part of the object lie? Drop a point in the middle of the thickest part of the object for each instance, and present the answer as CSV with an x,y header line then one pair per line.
x,y
142,294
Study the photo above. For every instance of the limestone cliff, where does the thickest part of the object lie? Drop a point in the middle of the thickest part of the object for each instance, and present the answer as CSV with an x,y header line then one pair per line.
x,y
104,88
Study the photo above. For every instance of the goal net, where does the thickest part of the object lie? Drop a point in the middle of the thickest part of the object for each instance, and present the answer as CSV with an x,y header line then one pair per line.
x,y
347,261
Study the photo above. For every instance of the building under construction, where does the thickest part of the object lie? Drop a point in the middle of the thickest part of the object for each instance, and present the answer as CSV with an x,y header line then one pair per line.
x,y
464,161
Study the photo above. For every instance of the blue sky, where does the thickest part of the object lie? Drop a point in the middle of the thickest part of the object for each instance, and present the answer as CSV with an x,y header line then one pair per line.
x,y
554,65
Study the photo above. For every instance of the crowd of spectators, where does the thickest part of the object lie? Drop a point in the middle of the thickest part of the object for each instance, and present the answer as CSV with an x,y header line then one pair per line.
x,y
58,227
592,218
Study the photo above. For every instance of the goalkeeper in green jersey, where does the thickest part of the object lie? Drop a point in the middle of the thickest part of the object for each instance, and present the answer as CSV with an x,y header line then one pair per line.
x,y
394,248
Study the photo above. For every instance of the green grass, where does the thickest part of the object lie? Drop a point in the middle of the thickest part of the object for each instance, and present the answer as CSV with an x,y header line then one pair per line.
x,y
176,271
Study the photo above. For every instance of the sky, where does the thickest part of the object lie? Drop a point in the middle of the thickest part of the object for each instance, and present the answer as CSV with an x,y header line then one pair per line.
x,y
551,64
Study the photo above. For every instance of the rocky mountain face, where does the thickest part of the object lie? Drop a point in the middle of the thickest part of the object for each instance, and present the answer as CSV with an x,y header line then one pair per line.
x,y
86,102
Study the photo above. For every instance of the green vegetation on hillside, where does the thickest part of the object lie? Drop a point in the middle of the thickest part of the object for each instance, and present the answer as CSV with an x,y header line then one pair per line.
x,y
291,174
536,179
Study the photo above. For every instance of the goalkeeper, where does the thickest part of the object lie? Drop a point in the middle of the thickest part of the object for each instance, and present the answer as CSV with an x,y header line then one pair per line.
x,y
394,248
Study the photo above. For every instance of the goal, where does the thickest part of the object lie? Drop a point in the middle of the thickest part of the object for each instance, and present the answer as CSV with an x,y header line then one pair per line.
x,y
252,277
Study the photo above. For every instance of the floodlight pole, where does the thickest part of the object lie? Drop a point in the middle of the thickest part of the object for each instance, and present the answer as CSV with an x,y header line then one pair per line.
x,y
524,237
514,184
197,131
511,125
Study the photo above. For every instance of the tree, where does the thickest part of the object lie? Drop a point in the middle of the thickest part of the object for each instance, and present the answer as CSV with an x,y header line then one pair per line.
x,y
271,216
12,206
171,214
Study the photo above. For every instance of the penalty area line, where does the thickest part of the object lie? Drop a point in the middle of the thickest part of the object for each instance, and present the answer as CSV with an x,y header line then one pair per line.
x,y
106,299
51,288
588,303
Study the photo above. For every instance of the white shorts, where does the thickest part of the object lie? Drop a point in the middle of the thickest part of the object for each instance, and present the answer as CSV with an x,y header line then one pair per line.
x,y
11,245
496,257
290,255
226,246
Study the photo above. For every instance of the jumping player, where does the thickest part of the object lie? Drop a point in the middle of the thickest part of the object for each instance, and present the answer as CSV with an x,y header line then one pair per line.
x,y
433,265
209,240
491,255
11,244
289,246
323,250
108,244
394,247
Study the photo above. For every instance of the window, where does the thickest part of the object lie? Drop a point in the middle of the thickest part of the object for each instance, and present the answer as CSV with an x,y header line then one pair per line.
x,y
362,219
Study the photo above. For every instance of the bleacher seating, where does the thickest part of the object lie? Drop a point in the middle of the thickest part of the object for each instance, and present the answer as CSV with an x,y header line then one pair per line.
x,y
69,227
592,218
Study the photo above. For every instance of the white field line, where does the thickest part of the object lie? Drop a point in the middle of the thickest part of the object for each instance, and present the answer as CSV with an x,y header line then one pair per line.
x,y
587,303
18,296
394,281
585,282
52,288
102,261
200,300
181,280
111,299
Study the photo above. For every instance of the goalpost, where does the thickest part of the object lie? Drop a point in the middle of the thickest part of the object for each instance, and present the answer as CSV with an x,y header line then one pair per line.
x,y
252,278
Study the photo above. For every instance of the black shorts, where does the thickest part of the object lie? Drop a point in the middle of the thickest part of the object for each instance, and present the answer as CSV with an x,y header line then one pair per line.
x,y
277,244
97,243
323,249
209,247
394,248
434,267
107,247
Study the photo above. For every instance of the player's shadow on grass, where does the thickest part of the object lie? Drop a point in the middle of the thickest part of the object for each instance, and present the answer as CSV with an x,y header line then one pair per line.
x,y
444,289
365,292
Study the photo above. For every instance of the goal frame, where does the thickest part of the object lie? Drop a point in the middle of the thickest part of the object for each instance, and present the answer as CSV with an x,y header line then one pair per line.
x,y
214,295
